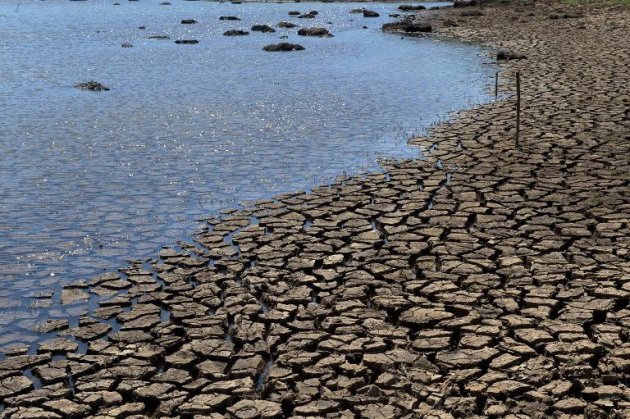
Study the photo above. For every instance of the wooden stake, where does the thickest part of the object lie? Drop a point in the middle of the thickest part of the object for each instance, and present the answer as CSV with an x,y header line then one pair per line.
x,y
518,108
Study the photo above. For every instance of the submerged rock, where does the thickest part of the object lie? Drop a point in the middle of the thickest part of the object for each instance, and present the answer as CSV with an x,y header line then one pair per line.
x,y
92,86
284,46
370,13
229,18
465,3
126,45
306,16
314,32
262,28
356,11
287,25
187,41
410,8
235,32
407,27
159,37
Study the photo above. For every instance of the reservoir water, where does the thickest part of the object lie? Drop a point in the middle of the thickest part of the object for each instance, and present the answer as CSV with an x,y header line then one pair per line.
x,y
90,179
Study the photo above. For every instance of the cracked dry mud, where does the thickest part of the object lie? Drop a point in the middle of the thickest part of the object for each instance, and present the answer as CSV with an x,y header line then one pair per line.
x,y
483,281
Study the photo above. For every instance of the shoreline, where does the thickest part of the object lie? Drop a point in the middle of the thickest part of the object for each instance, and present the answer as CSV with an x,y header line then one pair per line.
x,y
484,280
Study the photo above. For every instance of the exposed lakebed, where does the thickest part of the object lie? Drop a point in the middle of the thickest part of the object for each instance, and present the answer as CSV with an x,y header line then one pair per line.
x,y
89,179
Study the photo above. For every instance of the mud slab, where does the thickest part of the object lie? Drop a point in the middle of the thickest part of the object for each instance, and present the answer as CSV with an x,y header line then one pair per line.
x,y
485,281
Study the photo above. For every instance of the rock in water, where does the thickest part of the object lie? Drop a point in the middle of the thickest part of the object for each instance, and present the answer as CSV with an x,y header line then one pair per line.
x,y
370,13
314,32
126,45
229,18
410,8
187,41
188,21
263,28
407,27
284,46
92,86
235,32
287,25
465,3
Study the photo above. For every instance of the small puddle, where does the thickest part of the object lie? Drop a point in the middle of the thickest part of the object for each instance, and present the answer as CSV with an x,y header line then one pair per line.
x,y
264,308
307,224
37,383
260,381
70,382
165,315
230,330
315,296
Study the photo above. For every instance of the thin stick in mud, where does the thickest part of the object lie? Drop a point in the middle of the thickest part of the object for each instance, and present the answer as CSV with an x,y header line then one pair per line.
x,y
518,108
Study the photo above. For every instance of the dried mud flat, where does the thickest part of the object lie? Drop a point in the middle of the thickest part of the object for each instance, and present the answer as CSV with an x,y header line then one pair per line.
x,y
484,281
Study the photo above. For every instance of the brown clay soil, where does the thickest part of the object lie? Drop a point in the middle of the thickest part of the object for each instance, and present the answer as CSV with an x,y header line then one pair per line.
x,y
486,281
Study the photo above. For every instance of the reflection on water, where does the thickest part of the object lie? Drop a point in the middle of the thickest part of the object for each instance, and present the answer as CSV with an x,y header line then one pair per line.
x,y
88,179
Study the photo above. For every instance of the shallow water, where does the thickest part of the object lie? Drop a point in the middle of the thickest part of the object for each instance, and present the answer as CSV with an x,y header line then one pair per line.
x,y
88,179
